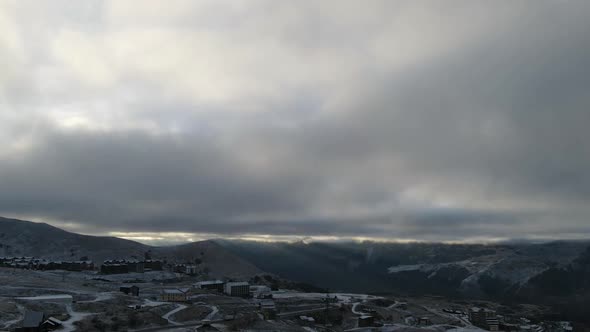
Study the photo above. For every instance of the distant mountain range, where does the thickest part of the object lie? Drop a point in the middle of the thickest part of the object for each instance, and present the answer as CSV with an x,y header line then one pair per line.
x,y
554,273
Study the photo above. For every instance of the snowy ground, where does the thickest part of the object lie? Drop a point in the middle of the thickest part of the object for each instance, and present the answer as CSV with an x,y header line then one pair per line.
x,y
104,296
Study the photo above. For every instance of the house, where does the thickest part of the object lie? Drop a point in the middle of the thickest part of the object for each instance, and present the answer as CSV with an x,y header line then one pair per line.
x,y
130,290
210,284
240,288
51,324
173,295
32,322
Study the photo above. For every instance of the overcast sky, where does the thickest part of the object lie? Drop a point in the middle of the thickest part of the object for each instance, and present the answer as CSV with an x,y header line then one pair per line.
x,y
395,120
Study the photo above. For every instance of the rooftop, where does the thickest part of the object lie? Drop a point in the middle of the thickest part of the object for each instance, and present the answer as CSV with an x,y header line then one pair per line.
x,y
33,319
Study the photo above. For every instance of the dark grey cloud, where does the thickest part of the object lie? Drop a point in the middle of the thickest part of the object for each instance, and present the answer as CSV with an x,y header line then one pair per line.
x,y
406,120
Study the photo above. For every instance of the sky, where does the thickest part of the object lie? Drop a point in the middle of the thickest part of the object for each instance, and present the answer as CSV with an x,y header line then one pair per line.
x,y
172,121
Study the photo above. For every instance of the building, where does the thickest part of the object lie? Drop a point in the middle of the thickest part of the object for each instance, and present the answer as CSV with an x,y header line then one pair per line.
x,y
130,290
114,267
120,266
135,266
32,263
268,309
51,324
190,269
173,295
32,322
153,265
240,288
260,292
484,318
216,285
366,321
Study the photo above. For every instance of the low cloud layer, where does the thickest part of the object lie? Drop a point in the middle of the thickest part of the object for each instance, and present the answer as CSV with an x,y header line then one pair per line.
x,y
463,120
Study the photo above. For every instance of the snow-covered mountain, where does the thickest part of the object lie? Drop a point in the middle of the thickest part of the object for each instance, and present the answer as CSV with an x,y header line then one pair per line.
x,y
497,271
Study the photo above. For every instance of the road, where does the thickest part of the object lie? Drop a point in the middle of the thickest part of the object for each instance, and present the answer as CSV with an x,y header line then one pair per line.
x,y
172,312
68,325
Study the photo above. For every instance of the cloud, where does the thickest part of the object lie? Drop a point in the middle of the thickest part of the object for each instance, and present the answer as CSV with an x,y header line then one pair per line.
x,y
400,120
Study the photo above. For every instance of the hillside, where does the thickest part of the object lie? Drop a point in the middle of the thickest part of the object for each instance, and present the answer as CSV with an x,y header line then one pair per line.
x,y
502,271
25,238
208,256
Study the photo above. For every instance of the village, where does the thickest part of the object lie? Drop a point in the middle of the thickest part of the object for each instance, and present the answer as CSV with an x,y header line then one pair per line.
x,y
152,295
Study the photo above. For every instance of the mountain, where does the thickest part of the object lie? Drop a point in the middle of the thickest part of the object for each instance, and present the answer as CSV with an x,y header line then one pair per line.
x,y
555,273
25,238
501,271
